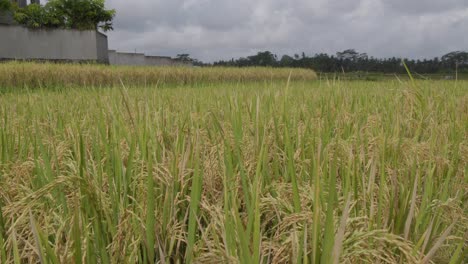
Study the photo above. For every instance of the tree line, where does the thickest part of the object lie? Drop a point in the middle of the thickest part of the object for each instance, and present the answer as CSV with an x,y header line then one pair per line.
x,y
351,61
91,14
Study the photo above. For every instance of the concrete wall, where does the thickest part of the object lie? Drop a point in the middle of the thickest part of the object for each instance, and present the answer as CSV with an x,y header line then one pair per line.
x,y
164,61
17,42
139,59
122,58
102,48
158,61
58,44
6,18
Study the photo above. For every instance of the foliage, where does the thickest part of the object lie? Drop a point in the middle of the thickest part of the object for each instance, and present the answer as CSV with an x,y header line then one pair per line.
x,y
5,5
350,61
36,16
69,14
351,55
455,58
184,57
83,14
265,58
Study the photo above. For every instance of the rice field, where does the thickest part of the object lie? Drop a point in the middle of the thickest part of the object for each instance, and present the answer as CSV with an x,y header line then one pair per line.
x,y
229,169
58,76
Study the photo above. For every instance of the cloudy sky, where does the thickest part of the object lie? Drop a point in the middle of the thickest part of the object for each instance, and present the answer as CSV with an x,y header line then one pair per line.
x,y
223,29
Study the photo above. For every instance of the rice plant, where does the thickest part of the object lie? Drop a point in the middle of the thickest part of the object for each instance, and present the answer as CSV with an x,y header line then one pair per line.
x,y
279,171
27,75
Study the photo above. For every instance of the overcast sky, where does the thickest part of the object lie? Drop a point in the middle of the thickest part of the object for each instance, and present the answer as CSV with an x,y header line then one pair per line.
x,y
222,29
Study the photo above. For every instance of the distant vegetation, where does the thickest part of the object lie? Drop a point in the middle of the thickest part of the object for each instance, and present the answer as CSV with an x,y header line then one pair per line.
x,y
352,61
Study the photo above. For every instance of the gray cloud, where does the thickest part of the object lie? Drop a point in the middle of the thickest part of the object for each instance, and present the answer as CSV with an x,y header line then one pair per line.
x,y
223,29
427,6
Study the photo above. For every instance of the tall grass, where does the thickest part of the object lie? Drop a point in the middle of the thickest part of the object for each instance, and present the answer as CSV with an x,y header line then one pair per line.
x,y
28,75
244,173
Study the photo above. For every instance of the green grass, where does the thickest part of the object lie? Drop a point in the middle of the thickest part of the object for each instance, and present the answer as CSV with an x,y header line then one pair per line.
x,y
375,76
263,172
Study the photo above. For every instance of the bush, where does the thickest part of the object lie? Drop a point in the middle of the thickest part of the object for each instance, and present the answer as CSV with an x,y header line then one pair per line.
x,y
5,5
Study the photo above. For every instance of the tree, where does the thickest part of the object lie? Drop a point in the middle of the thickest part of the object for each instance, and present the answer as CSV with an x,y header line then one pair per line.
x,y
352,61
265,58
287,61
83,14
35,16
455,59
351,54
5,5
68,14
184,57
